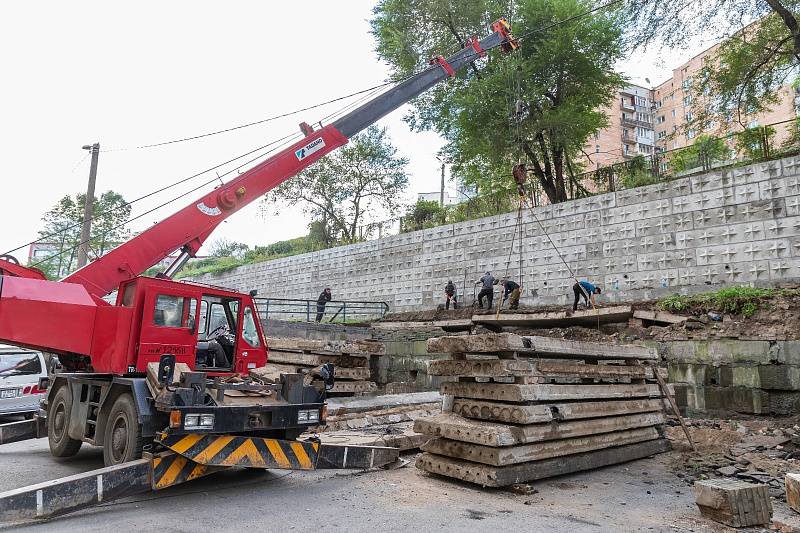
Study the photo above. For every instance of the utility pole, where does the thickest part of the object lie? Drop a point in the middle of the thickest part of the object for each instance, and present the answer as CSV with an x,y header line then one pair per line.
x,y
441,190
86,230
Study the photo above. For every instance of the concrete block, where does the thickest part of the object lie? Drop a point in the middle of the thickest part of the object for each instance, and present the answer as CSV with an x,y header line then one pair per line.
x,y
733,502
779,377
784,403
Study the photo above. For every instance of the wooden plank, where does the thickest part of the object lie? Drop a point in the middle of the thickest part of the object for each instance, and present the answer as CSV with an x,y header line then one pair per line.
x,y
340,372
305,359
733,502
557,319
363,347
512,392
534,452
455,427
503,476
659,317
497,343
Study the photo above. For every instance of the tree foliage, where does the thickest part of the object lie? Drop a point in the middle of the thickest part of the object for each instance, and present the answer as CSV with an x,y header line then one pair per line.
x,y
61,230
541,102
706,150
344,190
423,214
759,53
223,247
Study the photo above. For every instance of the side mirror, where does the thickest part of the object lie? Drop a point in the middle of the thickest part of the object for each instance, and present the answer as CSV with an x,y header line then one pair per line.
x,y
253,293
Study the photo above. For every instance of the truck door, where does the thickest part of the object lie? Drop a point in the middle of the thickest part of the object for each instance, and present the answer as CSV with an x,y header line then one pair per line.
x,y
169,326
251,350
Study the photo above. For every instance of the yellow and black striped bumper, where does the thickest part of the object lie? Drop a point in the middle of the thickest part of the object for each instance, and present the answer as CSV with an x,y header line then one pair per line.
x,y
170,469
231,450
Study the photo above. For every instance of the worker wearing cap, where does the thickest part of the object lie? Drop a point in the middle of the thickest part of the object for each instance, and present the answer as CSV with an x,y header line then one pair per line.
x,y
585,289
450,294
324,297
512,291
487,291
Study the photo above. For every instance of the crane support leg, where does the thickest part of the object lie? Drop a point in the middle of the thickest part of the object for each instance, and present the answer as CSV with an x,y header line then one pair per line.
x,y
36,428
156,472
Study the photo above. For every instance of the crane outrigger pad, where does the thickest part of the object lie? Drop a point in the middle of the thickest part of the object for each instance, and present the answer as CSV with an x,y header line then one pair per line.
x,y
253,452
36,428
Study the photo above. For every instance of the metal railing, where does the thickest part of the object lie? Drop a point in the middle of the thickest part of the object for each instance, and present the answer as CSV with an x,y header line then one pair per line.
x,y
335,311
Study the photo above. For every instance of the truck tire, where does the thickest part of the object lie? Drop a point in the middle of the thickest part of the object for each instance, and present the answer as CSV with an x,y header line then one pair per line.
x,y
123,435
61,445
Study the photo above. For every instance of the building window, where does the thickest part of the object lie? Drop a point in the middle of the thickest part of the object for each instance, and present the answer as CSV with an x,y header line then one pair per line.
x,y
687,100
689,116
661,119
690,134
673,113
662,134
687,83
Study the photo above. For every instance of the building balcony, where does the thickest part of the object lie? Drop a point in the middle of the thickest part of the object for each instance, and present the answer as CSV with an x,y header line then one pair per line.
x,y
629,139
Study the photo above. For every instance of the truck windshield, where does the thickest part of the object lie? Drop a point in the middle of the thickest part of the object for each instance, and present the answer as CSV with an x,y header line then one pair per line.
x,y
19,364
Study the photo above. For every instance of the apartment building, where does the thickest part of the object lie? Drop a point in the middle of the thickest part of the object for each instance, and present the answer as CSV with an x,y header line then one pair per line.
x,y
675,105
630,131
643,120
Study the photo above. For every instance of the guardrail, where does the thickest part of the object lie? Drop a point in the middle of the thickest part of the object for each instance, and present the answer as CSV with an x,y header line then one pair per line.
x,y
335,311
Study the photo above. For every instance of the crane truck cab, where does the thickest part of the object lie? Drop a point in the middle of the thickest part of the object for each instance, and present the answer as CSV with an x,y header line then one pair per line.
x,y
181,364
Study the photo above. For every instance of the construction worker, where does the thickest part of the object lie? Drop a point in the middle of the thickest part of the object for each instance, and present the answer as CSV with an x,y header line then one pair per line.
x,y
324,297
585,289
487,291
450,294
512,292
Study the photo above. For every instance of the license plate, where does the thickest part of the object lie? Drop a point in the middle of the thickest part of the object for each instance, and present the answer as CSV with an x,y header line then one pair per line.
x,y
8,393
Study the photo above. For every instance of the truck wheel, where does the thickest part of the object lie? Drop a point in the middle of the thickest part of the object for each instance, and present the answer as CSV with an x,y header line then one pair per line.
x,y
61,445
123,436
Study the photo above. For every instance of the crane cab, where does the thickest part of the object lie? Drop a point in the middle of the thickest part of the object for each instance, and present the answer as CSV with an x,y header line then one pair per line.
x,y
209,329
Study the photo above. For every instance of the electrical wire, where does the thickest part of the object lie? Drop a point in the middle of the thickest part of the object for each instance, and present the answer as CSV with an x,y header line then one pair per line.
x,y
249,124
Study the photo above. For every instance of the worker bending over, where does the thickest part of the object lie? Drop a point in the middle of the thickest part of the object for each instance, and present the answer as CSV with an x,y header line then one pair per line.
x,y
450,294
511,293
324,298
585,289
487,291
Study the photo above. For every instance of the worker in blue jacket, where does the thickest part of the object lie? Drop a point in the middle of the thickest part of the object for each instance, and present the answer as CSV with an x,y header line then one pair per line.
x,y
585,289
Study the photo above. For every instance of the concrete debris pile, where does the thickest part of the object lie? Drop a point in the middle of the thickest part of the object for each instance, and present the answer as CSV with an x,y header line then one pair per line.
x,y
350,358
526,408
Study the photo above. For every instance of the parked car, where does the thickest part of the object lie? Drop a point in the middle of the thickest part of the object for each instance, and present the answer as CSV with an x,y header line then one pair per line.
x,y
23,376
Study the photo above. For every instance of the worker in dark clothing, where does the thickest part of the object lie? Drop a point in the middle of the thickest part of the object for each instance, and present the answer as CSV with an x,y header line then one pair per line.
x,y
324,297
450,294
487,291
585,289
512,292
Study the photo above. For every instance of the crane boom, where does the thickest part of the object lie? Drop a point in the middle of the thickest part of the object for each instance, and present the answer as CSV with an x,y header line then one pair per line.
x,y
190,227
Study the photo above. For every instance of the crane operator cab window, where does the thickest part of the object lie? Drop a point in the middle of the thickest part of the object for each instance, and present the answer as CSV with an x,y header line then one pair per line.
x,y
216,332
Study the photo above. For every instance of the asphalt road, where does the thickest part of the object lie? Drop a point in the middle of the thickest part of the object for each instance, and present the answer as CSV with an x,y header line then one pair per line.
x,y
640,496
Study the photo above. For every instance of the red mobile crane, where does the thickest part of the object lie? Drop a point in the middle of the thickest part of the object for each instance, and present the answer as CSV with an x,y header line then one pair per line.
x,y
192,337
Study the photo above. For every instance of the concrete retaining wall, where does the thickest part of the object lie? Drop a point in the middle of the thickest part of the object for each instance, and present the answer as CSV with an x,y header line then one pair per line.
x,y
720,377
727,227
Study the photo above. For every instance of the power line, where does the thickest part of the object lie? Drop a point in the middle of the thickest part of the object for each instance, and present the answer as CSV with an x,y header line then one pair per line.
x,y
249,124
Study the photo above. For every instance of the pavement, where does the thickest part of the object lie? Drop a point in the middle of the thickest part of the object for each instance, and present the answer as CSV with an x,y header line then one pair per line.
x,y
643,495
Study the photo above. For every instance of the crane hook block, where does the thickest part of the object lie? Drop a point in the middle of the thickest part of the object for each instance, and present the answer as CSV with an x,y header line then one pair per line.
x,y
440,60
520,174
306,129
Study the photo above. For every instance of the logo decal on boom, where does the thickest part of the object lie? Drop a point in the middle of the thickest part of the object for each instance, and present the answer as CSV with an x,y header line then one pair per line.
x,y
210,211
314,146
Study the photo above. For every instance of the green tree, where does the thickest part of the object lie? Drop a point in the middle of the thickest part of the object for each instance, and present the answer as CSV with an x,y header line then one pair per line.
x,y
423,214
743,76
706,150
223,247
359,181
62,228
755,143
541,102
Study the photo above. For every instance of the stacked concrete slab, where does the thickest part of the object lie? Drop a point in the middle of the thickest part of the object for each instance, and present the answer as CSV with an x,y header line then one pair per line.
x,y
350,358
526,408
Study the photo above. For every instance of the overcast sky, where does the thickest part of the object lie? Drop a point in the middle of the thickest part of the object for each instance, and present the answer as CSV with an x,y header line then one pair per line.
x,y
143,72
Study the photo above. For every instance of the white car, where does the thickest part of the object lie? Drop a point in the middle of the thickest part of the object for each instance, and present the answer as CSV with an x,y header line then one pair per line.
x,y
21,377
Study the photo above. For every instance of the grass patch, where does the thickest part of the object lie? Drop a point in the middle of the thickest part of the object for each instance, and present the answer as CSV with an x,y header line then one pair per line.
x,y
745,301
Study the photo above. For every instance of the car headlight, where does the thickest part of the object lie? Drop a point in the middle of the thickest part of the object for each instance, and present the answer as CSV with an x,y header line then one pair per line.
x,y
191,421
207,421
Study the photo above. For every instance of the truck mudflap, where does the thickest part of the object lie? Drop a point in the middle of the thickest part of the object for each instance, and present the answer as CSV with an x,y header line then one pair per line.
x,y
154,472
